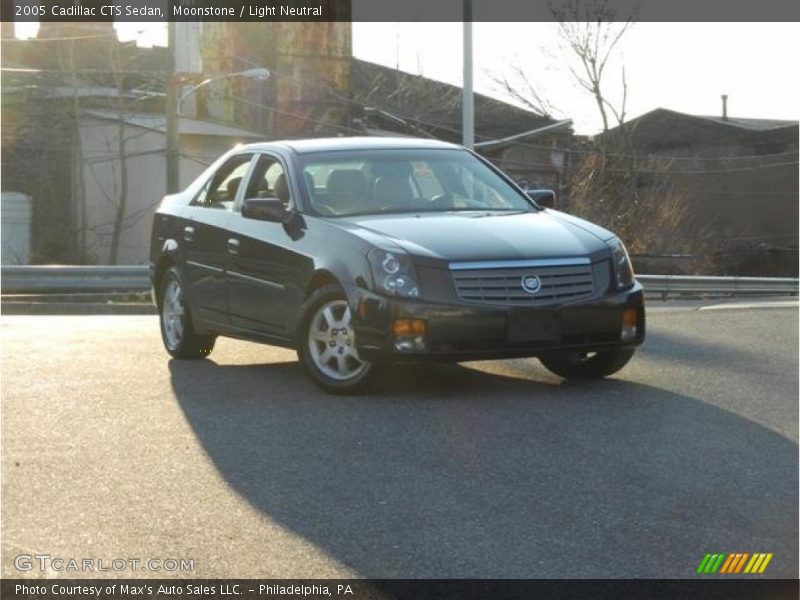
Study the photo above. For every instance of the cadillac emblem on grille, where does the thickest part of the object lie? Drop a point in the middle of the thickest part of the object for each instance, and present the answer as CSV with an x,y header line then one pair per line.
x,y
531,283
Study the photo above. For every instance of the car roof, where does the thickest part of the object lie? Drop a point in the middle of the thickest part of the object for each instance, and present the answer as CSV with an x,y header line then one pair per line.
x,y
353,143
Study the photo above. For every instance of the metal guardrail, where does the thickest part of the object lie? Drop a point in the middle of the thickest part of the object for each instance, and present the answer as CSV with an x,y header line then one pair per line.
x,y
707,284
69,279
48,279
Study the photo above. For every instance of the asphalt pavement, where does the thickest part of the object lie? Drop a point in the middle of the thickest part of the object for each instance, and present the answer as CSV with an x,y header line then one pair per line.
x,y
493,469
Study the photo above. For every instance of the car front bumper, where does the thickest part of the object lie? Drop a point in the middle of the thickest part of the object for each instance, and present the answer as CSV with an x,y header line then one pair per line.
x,y
475,332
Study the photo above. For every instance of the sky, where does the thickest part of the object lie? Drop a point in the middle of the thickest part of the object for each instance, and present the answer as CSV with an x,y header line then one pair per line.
x,y
680,66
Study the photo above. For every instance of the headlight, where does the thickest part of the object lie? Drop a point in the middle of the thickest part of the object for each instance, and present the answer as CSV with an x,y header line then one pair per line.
x,y
393,273
621,264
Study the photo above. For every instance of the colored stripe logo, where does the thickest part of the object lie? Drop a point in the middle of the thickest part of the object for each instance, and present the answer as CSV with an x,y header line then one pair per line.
x,y
731,564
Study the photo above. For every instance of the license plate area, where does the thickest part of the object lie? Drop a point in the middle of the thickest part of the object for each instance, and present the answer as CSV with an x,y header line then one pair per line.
x,y
533,327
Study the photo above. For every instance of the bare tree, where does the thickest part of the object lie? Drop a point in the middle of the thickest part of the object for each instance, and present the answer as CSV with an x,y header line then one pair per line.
x,y
591,31
399,97
122,154
609,181
68,65
640,199
517,85
110,173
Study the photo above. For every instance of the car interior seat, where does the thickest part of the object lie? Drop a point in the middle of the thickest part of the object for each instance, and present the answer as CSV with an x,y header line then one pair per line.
x,y
281,190
393,190
312,190
347,191
232,187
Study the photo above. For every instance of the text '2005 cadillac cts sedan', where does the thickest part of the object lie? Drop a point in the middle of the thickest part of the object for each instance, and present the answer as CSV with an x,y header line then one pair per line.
x,y
364,251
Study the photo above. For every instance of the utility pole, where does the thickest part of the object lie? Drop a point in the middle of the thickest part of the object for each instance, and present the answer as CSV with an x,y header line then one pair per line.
x,y
467,98
171,111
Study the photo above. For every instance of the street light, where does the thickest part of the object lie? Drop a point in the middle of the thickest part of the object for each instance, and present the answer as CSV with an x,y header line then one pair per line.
x,y
260,74
174,112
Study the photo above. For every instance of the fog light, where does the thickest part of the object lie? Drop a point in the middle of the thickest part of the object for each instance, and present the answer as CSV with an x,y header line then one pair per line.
x,y
404,345
419,343
410,344
629,318
409,327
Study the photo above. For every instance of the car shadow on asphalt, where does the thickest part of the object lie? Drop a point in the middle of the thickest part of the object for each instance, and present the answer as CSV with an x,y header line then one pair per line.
x,y
450,471
683,349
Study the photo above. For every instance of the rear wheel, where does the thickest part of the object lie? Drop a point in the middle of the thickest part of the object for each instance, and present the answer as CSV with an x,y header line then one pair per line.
x,y
177,331
327,344
586,365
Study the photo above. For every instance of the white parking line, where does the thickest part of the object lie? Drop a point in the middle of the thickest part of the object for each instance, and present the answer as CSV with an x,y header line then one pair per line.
x,y
749,305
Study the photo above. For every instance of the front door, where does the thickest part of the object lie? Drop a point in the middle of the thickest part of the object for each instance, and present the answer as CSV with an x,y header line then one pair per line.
x,y
265,268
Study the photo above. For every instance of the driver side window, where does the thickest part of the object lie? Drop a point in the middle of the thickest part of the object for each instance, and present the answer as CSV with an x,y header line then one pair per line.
x,y
269,181
221,189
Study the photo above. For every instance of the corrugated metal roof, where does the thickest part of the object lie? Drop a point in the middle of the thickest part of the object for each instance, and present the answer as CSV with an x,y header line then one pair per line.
x,y
751,124
735,122
434,105
158,122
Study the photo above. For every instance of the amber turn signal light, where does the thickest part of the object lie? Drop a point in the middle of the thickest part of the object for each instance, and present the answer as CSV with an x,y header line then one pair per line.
x,y
409,327
629,317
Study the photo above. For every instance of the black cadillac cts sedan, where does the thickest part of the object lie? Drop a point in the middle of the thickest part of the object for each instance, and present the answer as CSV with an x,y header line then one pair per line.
x,y
362,251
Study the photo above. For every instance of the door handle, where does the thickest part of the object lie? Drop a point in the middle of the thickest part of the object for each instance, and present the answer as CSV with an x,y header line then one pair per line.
x,y
233,246
188,233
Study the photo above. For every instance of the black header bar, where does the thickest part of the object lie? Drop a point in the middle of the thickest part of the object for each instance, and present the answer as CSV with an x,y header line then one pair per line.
x,y
388,10
709,588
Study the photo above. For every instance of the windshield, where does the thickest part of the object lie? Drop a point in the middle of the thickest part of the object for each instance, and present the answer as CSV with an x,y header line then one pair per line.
x,y
373,181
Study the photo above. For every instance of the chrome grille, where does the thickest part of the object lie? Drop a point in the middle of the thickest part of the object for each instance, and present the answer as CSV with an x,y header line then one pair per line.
x,y
501,283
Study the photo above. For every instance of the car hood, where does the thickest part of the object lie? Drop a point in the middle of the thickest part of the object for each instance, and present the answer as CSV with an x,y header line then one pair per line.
x,y
474,236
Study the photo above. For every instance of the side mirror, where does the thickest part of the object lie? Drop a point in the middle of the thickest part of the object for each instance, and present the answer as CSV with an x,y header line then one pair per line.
x,y
266,209
544,198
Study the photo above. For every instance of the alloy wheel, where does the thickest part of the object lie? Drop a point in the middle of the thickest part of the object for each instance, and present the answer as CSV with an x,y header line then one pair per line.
x,y
172,314
331,342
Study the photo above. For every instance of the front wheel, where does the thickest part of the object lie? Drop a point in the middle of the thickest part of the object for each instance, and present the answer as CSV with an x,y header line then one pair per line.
x,y
327,344
586,365
177,331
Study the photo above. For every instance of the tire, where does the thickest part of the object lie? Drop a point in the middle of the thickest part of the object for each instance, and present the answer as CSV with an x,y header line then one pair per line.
x,y
330,357
177,331
576,365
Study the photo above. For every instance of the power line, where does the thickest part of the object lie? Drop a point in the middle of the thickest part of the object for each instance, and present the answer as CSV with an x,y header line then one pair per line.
x,y
65,38
526,164
523,163
708,172
457,132
287,113
446,128
534,146
664,172
441,127
744,193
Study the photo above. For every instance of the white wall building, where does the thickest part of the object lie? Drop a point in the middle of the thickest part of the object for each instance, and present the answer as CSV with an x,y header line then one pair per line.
x,y
97,192
16,216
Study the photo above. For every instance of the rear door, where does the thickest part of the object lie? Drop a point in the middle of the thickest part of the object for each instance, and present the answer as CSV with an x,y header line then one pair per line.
x,y
205,238
266,270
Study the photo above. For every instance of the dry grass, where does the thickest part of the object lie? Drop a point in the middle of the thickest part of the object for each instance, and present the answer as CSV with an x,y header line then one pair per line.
x,y
646,208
